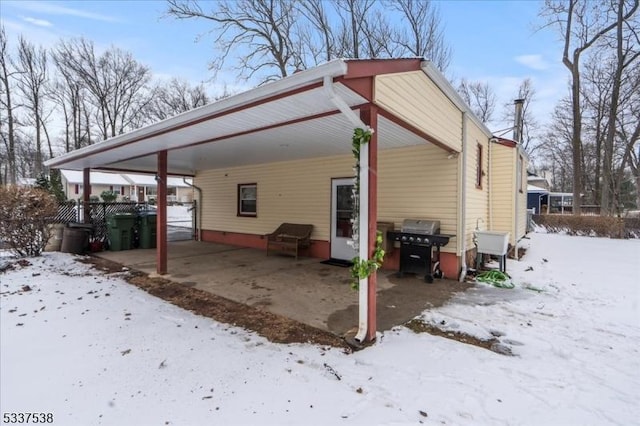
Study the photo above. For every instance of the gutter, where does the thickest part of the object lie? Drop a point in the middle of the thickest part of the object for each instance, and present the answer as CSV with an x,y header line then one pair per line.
x,y
463,202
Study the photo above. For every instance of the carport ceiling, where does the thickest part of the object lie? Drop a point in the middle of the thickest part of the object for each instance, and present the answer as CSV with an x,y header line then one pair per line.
x,y
296,119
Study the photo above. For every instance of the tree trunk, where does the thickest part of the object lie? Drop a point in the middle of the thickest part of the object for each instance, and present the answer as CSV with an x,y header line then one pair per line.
x,y
576,141
607,164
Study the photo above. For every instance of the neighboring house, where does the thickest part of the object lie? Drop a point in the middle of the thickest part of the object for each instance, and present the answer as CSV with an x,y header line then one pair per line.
x,y
72,184
26,182
539,181
537,198
128,187
282,153
143,188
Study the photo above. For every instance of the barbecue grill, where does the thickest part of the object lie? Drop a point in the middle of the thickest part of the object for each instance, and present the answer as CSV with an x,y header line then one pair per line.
x,y
417,238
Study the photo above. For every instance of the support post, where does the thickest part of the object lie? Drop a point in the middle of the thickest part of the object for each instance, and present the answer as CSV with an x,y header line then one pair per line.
x,y
370,117
86,195
161,223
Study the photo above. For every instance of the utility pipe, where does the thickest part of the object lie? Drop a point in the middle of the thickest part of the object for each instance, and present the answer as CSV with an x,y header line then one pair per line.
x,y
463,202
363,226
198,211
517,136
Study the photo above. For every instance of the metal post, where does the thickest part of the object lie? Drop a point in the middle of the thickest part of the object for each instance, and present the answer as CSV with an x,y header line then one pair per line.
x,y
161,224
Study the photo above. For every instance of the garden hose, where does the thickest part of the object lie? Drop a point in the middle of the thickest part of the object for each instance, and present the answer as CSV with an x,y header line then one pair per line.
x,y
495,278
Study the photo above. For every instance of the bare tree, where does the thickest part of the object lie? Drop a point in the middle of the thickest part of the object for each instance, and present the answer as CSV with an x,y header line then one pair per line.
x,y
115,80
625,44
175,97
258,31
423,34
582,24
480,97
321,48
32,82
6,88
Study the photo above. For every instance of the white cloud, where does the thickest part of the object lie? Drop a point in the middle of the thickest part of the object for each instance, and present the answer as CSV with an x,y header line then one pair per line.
x,y
37,22
50,8
535,62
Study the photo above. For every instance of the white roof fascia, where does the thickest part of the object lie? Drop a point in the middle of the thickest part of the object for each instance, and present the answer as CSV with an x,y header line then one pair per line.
x,y
334,68
443,84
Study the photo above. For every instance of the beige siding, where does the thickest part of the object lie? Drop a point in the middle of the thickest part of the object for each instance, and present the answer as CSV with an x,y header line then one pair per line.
x,y
414,182
503,187
420,183
413,97
477,204
292,191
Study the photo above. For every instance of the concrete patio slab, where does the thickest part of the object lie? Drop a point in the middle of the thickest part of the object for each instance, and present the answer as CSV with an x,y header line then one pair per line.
x,y
305,290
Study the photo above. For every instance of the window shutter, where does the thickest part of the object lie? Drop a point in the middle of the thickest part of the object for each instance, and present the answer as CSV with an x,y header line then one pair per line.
x,y
77,188
122,190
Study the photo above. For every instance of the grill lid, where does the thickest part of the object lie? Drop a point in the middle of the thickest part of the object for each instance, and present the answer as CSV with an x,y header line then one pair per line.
x,y
421,226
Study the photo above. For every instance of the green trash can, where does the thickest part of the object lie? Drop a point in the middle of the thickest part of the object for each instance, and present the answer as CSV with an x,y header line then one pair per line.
x,y
120,228
148,233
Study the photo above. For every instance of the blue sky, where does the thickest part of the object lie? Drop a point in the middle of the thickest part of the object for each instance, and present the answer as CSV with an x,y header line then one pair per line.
x,y
493,41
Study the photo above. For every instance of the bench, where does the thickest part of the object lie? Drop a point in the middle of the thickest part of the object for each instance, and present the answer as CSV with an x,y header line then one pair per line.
x,y
289,238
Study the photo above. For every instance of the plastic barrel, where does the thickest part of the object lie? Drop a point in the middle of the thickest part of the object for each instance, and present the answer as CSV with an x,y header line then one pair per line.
x,y
55,237
75,240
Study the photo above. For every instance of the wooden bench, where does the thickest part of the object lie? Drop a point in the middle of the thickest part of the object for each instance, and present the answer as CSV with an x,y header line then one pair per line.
x,y
289,238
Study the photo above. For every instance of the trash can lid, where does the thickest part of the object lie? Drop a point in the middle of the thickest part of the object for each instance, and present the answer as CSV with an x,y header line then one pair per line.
x,y
80,225
122,215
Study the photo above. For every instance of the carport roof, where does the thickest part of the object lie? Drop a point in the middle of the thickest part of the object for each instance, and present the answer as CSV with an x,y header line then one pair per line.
x,y
292,118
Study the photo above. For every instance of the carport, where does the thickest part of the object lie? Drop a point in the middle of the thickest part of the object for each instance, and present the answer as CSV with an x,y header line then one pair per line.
x,y
304,290
312,113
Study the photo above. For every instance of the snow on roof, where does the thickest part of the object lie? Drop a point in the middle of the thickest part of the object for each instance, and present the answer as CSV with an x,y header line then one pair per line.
x,y
96,178
150,180
533,188
103,178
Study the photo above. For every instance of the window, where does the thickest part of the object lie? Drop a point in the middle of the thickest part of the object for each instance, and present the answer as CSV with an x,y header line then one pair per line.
x,y
479,171
247,199
117,189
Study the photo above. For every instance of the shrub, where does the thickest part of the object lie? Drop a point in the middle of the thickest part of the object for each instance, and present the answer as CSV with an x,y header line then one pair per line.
x,y
24,217
597,226
109,196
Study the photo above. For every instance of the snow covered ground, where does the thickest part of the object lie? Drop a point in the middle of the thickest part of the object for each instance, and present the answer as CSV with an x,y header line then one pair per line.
x,y
94,350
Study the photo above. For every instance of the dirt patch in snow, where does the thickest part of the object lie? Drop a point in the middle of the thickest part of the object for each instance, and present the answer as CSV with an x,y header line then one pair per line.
x,y
275,328
493,344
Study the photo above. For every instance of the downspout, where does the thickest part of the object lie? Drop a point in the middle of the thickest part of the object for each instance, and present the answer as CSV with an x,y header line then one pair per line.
x,y
490,192
463,202
363,243
198,211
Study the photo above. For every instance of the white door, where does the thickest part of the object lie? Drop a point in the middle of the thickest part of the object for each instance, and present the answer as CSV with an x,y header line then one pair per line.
x,y
341,210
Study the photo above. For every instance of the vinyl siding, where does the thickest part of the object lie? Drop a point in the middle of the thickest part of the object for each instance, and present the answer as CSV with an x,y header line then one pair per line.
x,y
477,205
413,182
503,186
96,190
416,99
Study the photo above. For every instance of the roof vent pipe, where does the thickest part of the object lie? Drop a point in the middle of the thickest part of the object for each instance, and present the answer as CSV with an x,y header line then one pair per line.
x,y
518,120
